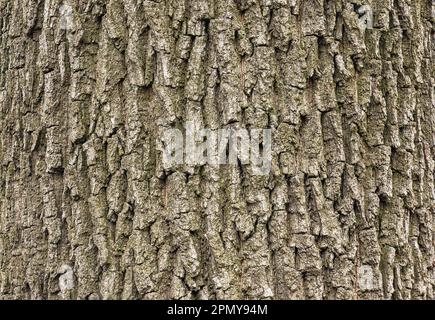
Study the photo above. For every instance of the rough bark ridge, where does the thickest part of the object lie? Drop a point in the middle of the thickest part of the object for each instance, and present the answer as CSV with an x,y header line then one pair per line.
x,y
87,210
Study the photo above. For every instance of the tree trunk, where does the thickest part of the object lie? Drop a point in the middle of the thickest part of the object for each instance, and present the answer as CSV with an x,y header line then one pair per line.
x,y
89,87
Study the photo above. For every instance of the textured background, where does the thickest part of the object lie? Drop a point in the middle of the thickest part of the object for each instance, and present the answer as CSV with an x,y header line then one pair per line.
x,y
87,210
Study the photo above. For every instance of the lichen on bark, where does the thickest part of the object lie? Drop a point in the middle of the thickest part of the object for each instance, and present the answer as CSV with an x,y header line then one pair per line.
x,y
88,211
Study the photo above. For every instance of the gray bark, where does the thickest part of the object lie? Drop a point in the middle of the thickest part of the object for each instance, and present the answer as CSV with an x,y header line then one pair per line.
x,y
87,210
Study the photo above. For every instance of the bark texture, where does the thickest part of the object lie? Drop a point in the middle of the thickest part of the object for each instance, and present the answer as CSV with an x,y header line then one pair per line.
x,y
87,211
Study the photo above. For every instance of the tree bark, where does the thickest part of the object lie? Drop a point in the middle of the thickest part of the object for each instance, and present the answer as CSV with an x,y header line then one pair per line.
x,y
87,210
